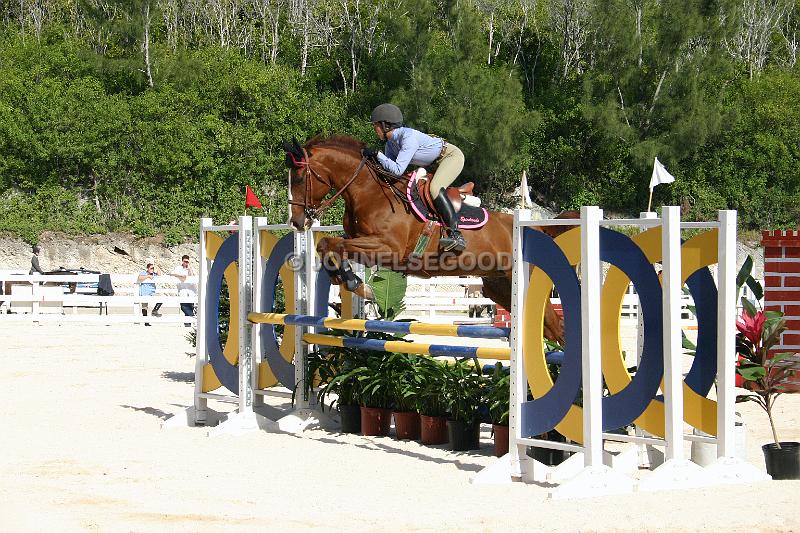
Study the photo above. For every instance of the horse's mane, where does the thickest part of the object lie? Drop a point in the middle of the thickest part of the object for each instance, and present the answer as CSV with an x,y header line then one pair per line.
x,y
336,141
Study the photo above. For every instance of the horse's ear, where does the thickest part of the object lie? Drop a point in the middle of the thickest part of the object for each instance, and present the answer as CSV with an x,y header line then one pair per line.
x,y
287,147
298,148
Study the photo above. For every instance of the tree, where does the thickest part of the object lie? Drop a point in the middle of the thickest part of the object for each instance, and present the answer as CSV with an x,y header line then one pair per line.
x,y
454,93
659,91
754,24
131,22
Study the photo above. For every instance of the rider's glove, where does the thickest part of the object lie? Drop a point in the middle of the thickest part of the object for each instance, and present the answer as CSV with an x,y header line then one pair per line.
x,y
369,152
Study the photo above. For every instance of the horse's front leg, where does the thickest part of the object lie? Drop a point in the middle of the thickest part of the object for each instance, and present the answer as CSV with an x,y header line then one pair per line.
x,y
336,254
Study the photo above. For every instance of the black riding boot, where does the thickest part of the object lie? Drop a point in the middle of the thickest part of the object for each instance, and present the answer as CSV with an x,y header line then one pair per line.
x,y
455,241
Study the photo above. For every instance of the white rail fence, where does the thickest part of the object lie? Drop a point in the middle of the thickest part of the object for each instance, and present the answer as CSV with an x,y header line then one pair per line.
x,y
74,298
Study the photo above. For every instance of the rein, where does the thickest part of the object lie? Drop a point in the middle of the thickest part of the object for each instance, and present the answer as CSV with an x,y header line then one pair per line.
x,y
312,211
385,178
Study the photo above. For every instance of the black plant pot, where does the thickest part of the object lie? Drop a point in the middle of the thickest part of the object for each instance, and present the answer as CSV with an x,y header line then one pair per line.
x,y
783,463
463,436
350,416
549,456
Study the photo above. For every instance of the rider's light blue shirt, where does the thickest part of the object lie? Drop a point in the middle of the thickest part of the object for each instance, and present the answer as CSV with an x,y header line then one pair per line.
x,y
408,146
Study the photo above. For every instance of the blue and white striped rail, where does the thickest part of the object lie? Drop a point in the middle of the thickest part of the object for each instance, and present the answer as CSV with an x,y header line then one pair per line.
x,y
401,328
434,350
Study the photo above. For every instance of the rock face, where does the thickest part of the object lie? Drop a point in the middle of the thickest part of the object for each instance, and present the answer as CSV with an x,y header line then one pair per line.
x,y
114,253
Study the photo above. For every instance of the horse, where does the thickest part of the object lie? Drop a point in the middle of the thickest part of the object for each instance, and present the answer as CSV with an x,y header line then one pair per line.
x,y
381,228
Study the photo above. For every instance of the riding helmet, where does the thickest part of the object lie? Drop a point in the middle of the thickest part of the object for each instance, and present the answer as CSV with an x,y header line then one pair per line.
x,y
388,113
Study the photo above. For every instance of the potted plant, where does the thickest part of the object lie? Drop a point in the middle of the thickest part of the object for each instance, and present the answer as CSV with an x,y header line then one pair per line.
x,y
338,373
766,376
431,403
498,396
464,394
375,385
406,387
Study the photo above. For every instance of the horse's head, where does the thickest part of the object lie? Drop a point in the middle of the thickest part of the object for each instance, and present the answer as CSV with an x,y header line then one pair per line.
x,y
307,187
312,178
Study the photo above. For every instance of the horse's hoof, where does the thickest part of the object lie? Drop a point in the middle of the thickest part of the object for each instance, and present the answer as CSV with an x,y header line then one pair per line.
x,y
365,292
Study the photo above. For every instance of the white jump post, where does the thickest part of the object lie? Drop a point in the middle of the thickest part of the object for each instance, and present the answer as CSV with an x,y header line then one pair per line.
x,y
305,268
728,468
257,290
676,471
515,465
596,479
521,466
245,419
201,413
726,333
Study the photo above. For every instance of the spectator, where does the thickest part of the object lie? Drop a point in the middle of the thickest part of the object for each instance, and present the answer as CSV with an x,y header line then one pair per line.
x,y
185,288
35,260
148,288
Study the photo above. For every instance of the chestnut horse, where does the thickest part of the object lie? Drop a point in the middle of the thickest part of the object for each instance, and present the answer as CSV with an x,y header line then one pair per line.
x,y
381,229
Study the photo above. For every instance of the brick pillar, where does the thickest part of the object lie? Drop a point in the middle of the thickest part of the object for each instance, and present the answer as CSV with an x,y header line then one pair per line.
x,y
782,285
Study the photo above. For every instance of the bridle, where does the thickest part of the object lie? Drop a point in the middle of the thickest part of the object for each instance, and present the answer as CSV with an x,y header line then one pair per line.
x,y
312,210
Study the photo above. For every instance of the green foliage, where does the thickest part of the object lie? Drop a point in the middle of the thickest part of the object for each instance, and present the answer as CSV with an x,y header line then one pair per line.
x,y
464,389
338,370
390,291
433,378
406,381
375,380
766,375
89,144
499,394
454,94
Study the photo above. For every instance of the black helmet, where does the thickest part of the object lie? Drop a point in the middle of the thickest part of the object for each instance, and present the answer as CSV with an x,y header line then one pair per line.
x,y
388,113
36,249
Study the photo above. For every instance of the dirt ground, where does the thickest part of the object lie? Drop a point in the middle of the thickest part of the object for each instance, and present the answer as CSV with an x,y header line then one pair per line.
x,y
83,449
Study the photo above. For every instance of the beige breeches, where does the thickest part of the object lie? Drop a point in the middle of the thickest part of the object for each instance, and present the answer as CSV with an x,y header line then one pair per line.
x,y
450,166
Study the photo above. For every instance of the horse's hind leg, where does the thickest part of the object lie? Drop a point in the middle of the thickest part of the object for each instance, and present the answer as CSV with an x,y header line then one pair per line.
x,y
499,291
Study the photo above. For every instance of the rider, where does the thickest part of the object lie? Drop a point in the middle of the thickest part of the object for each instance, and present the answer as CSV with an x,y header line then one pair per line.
x,y
406,146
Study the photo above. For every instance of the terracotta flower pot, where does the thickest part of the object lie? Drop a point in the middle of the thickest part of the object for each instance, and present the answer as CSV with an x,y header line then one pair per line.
x,y
406,425
433,429
375,421
500,440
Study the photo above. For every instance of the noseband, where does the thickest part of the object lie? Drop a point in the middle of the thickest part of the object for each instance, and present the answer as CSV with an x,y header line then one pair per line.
x,y
313,210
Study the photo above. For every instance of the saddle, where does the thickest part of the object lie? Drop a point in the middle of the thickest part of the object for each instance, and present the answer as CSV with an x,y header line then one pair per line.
x,y
466,205
456,194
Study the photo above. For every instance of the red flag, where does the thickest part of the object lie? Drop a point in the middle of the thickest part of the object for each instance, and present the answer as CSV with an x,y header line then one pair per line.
x,y
251,200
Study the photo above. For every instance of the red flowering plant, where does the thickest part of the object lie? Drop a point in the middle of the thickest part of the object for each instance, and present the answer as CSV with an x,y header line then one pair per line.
x,y
765,375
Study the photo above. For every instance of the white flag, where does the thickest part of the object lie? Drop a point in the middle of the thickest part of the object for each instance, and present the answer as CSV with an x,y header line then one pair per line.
x,y
524,192
660,175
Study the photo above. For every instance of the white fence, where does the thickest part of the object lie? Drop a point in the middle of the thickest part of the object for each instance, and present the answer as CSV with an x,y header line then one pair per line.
x,y
437,294
427,296
74,298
